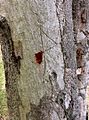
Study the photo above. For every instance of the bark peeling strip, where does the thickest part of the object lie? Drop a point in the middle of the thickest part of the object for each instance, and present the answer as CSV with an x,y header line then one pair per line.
x,y
12,69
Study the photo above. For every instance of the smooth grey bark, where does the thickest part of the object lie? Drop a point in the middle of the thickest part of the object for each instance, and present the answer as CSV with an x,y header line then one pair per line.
x,y
45,70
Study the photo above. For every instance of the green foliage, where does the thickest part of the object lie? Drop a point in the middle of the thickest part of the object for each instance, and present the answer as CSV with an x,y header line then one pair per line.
x,y
3,103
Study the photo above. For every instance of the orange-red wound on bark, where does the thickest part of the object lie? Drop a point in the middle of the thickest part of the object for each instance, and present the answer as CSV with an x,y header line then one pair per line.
x,y
38,57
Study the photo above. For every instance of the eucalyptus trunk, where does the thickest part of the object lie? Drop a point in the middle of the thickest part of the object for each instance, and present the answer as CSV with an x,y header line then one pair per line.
x,y
45,53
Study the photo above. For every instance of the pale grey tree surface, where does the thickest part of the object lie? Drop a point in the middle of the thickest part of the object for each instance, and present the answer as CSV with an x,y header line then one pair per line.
x,y
45,53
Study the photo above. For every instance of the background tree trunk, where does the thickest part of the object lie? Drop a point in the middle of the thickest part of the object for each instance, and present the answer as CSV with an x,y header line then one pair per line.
x,y
45,54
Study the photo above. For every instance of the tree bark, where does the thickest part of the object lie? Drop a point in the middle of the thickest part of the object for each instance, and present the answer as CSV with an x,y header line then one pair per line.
x,y
45,50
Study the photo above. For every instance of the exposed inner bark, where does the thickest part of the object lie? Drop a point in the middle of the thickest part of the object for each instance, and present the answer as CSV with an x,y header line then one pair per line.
x,y
12,69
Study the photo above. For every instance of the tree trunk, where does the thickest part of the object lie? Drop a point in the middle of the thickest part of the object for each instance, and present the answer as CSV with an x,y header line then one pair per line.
x,y
45,53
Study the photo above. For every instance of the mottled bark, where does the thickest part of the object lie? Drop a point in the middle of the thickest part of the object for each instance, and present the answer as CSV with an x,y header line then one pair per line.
x,y
80,18
11,65
69,54
44,59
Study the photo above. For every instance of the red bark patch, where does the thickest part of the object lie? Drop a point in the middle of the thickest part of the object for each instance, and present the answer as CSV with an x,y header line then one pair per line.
x,y
39,57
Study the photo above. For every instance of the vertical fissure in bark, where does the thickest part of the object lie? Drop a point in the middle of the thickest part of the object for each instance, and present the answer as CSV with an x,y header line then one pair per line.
x,y
75,18
69,55
12,69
